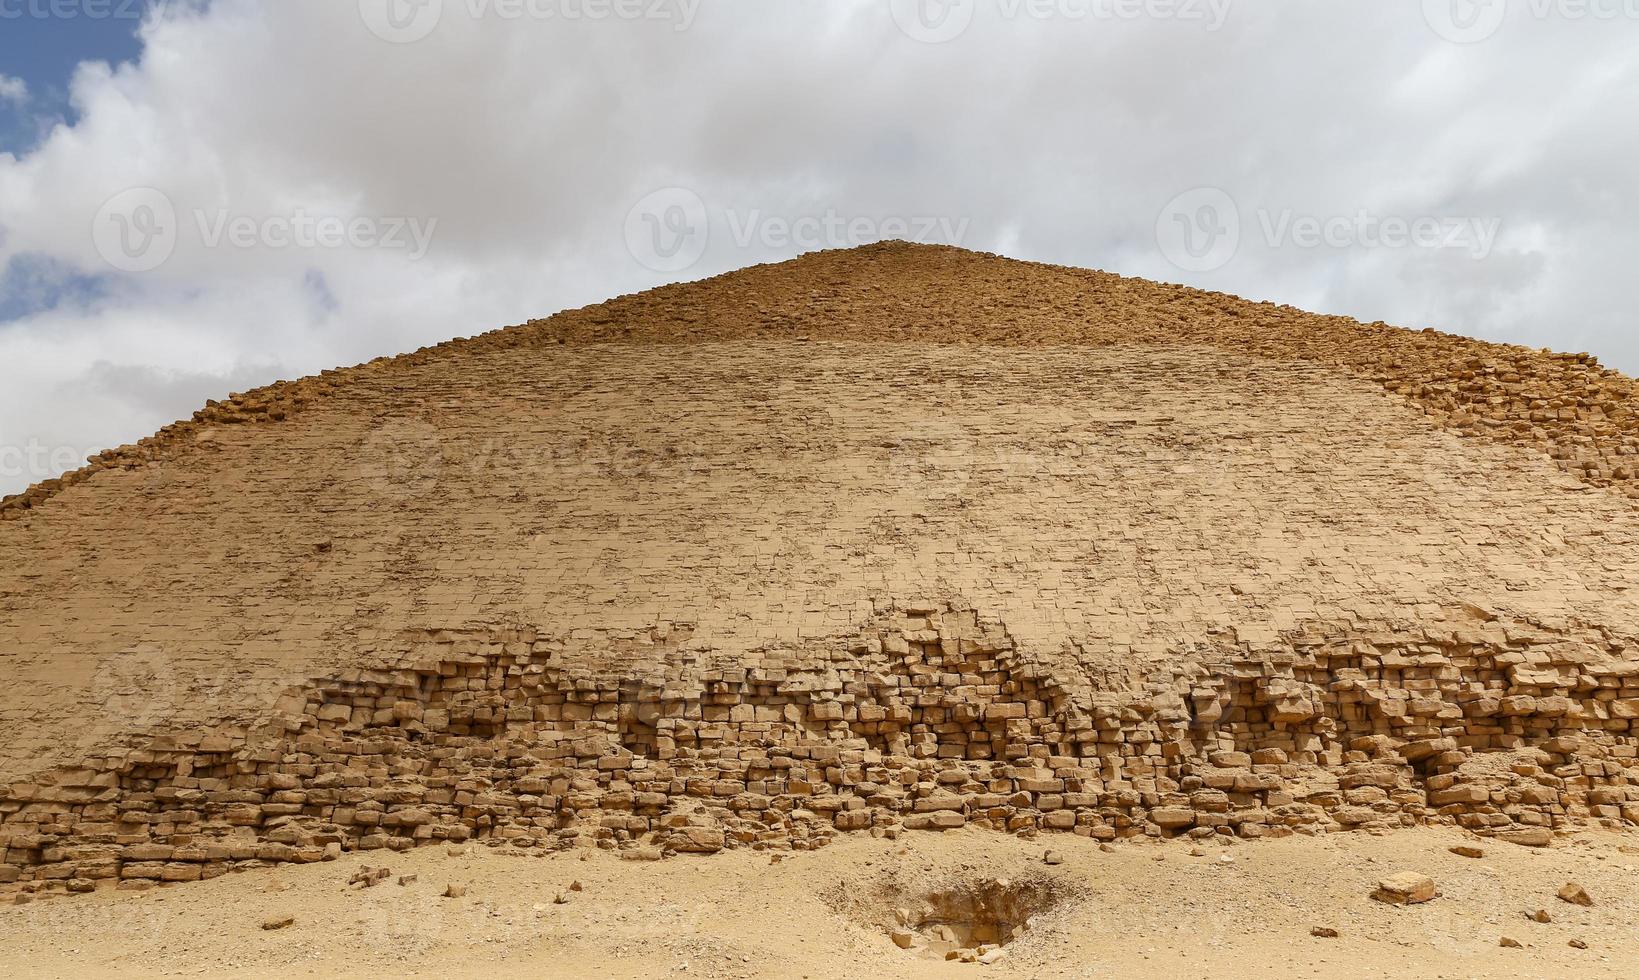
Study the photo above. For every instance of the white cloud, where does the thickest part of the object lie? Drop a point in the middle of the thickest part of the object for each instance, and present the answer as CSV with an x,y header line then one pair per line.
x,y
13,89
528,139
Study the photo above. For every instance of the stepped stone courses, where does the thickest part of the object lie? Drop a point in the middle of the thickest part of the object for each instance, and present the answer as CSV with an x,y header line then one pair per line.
x,y
1110,558
1566,405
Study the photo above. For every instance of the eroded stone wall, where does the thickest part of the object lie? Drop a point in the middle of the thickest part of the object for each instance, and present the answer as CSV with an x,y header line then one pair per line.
x,y
1129,500
928,719
644,576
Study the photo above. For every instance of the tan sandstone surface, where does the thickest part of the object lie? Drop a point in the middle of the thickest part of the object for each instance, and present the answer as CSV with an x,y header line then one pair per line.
x,y
834,553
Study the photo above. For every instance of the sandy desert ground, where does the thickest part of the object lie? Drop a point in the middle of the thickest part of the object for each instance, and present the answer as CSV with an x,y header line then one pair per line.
x,y
1150,909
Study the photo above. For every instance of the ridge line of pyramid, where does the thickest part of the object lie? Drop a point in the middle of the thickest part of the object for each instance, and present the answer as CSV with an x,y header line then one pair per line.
x,y
1275,331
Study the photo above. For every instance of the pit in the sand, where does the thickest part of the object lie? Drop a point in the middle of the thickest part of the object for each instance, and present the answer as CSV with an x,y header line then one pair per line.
x,y
970,921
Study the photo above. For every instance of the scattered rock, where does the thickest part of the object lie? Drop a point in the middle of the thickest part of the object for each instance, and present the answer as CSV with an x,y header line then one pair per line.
x,y
697,840
992,956
1052,857
904,938
1575,894
575,886
1323,932
277,922
1406,888
641,854
455,891
1578,944
943,933
368,877
404,880
1509,942
1540,915
1467,851
1529,837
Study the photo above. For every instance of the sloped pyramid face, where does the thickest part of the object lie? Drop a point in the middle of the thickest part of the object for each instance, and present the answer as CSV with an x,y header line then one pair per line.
x,y
890,539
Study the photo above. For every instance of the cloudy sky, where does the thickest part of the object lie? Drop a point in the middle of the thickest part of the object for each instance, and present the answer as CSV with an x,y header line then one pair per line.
x,y
198,198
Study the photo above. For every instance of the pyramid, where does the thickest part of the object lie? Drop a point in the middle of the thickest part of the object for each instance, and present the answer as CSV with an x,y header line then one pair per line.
x,y
886,540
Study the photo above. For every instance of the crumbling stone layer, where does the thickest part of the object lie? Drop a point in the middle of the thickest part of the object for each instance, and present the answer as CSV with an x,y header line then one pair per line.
x,y
1113,505
929,719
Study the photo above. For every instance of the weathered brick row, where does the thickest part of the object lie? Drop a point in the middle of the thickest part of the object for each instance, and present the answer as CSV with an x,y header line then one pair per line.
x,y
936,724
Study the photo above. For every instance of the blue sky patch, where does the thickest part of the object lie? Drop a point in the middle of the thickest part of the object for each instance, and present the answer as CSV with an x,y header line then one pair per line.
x,y
34,284
42,41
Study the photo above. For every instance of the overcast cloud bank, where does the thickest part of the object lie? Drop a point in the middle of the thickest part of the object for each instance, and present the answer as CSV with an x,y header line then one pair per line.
x,y
278,188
